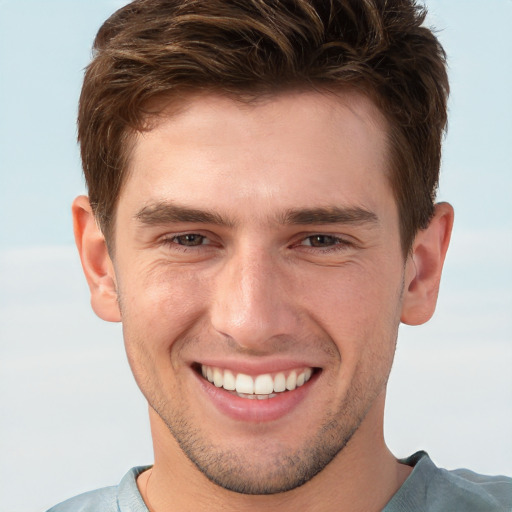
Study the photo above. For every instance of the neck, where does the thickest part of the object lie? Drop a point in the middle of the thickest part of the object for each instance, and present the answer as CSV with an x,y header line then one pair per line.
x,y
344,485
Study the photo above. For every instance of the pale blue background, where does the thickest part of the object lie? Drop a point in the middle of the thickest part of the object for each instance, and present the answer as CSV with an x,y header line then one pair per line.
x,y
71,417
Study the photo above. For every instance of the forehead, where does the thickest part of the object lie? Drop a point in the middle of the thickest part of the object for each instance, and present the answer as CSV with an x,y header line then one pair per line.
x,y
309,115
307,147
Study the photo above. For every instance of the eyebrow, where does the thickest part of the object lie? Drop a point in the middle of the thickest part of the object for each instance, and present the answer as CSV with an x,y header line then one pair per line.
x,y
168,212
330,215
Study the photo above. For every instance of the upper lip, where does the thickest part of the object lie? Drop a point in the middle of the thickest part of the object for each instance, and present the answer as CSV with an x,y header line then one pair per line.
x,y
256,367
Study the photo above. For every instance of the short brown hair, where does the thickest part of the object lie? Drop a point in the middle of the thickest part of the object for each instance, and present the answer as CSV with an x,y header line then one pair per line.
x,y
170,48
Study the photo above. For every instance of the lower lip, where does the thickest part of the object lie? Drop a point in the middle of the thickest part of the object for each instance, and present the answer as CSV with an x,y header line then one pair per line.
x,y
255,410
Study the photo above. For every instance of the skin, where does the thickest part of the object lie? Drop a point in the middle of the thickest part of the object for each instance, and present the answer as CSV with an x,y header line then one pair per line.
x,y
269,285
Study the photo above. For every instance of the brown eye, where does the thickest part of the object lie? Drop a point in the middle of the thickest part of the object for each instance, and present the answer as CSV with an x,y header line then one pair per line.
x,y
321,240
190,239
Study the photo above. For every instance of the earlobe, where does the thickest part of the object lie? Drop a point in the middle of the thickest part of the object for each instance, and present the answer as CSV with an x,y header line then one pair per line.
x,y
424,267
96,262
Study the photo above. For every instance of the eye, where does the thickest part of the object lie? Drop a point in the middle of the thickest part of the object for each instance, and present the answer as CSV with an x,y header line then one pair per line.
x,y
322,241
190,240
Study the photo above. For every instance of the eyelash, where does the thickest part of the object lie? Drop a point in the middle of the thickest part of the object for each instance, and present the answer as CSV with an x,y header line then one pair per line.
x,y
338,243
171,241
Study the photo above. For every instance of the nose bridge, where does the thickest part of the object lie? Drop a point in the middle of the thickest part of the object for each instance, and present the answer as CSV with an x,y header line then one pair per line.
x,y
250,305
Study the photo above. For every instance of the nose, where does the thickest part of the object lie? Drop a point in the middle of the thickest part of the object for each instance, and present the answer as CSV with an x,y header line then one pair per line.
x,y
252,305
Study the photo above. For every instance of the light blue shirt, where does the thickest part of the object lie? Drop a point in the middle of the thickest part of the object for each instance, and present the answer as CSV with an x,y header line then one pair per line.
x,y
427,489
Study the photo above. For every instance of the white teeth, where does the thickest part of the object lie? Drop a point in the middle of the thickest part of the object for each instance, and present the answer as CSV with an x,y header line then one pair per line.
x,y
256,397
279,383
244,384
217,377
291,381
229,381
261,387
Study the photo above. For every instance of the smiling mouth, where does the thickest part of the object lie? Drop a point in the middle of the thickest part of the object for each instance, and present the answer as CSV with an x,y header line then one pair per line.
x,y
260,387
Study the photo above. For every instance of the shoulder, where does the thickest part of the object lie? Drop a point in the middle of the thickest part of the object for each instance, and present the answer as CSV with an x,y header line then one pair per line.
x,y
432,489
483,492
100,500
124,497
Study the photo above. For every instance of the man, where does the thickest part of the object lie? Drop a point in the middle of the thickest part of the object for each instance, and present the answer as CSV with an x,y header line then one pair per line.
x,y
261,217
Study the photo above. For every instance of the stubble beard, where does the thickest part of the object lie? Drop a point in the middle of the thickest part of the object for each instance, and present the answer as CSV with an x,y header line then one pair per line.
x,y
280,471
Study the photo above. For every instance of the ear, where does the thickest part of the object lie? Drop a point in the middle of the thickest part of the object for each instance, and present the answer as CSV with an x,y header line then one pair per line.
x,y
424,266
96,262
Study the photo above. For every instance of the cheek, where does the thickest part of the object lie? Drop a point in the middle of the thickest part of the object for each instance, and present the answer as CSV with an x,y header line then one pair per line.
x,y
359,307
159,310
354,294
160,304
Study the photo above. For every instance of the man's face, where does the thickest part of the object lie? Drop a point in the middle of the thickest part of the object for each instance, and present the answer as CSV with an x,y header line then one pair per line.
x,y
259,245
